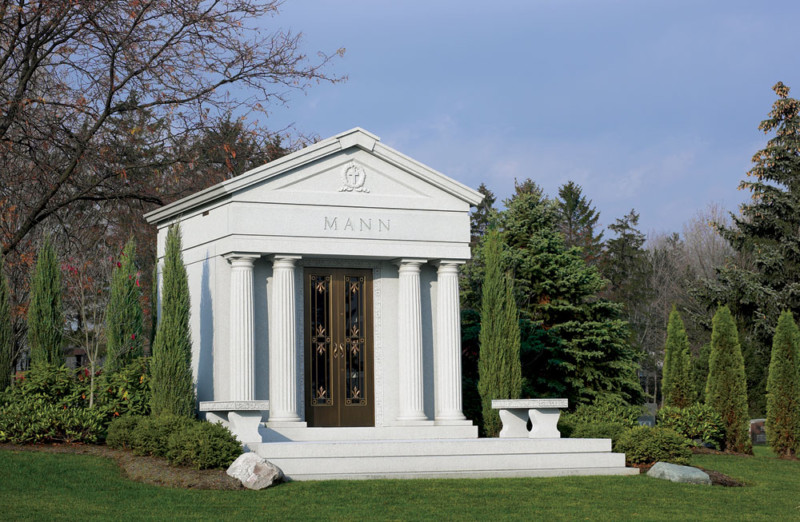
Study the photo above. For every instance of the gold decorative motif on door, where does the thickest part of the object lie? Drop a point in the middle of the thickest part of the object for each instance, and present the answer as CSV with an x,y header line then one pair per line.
x,y
338,347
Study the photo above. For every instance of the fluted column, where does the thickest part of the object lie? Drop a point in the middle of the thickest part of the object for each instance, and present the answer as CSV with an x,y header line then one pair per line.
x,y
447,346
282,345
242,334
409,329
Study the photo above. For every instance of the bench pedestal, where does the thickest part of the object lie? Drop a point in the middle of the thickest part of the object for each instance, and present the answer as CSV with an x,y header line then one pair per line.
x,y
543,414
243,418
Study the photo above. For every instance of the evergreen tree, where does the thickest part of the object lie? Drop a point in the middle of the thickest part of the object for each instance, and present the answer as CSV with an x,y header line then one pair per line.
x,y
578,221
783,389
765,236
45,312
726,389
480,218
576,343
6,331
677,386
171,381
499,364
124,312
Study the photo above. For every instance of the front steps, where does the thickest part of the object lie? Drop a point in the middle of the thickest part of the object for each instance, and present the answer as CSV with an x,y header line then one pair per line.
x,y
443,458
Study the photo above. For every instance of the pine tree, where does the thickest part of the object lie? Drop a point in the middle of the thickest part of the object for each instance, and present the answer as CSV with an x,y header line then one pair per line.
x,y
726,390
783,389
677,385
765,236
481,216
499,363
124,312
578,220
576,344
45,312
171,381
6,331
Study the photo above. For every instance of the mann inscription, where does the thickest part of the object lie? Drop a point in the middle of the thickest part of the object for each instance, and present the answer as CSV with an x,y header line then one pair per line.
x,y
357,224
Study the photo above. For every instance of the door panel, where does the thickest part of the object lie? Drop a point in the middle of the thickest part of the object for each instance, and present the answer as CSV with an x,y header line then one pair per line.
x,y
338,347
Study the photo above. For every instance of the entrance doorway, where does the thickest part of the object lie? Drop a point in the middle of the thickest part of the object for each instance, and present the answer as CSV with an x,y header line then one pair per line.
x,y
338,347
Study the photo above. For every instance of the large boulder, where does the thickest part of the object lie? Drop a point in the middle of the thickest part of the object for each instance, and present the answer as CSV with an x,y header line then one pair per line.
x,y
676,473
255,472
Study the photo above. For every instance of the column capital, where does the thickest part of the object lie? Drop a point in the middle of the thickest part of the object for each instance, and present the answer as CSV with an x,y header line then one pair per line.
x,y
410,263
241,257
284,260
445,264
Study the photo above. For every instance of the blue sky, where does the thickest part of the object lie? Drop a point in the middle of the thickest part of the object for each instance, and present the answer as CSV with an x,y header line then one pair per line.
x,y
647,105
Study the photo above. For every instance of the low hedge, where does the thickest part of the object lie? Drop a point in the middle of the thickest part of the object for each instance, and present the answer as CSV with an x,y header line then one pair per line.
x,y
644,445
184,442
698,423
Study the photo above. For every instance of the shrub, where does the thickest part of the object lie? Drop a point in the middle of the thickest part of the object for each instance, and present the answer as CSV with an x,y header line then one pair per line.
x,y
645,445
698,422
127,391
31,420
151,434
599,430
203,445
120,431
607,409
50,384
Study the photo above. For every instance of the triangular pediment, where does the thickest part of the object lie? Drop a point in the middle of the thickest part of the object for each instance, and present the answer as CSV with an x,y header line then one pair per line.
x,y
350,169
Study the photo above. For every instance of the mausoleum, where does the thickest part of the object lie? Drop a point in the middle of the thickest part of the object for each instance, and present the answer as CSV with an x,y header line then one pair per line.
x,y
325,317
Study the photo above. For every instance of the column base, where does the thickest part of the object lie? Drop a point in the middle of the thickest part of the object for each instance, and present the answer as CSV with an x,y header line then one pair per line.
x,y
286,424
453,422
412,422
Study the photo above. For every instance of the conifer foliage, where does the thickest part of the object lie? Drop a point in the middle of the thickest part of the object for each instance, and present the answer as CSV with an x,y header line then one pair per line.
x,y
499,364
783,389
677,384
726,389
45,312
124,316
6,332
171,382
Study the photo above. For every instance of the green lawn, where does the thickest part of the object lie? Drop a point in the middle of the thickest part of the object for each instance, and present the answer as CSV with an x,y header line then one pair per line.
x,y
46,486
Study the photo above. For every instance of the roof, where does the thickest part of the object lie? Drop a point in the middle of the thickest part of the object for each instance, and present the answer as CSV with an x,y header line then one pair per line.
x,y
356,137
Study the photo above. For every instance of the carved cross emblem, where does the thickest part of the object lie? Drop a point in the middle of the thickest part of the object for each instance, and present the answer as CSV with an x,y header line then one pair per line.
x,y
354,178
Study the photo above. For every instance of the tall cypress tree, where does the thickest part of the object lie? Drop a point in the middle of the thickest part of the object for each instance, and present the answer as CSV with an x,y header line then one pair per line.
x,y
171,379
677,385
124,312
6,331
499,363
726,390
45,312
783,389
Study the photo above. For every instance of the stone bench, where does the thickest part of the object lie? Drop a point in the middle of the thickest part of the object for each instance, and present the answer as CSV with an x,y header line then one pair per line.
x,y
243,418
543,414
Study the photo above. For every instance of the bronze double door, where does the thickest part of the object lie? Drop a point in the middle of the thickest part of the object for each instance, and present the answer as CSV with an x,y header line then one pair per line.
x,y
338,347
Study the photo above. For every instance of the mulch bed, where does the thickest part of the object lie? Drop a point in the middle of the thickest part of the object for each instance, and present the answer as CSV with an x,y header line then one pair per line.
x,y
150,470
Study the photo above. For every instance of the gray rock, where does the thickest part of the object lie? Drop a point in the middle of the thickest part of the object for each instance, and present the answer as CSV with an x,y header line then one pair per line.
x,y
676,473
255,472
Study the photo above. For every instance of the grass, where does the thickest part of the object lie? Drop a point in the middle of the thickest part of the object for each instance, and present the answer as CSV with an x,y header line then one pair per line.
x,y
47,486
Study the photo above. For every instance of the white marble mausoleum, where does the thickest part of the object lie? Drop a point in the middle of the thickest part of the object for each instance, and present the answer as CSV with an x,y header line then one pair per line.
x,y
325,310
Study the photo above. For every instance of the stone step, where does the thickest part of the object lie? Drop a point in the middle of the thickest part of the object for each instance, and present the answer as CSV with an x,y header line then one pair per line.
x,y
444,458
427,432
